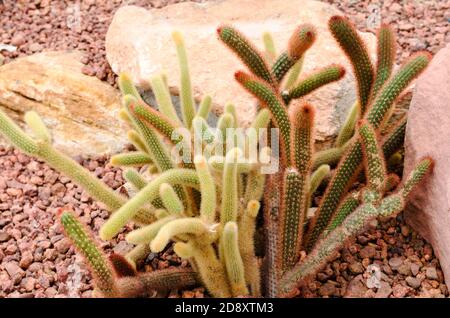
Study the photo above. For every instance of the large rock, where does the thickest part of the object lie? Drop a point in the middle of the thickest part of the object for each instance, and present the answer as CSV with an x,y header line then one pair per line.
x,y
81,111
139,42
427,134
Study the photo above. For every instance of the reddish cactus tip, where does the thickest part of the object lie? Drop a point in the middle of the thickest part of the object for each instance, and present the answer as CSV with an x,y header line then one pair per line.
x,y
337,18
59,212
308,108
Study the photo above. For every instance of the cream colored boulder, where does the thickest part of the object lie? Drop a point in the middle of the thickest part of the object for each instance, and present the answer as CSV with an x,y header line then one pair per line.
x,y
139,42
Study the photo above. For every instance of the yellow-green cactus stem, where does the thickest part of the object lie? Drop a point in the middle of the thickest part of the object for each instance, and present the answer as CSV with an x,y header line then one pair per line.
x,y
146,234
150,192
348,127
207,189
348,205
135,178
317,177
136,140
246,227
187,100
230,200
422,168
163,98
131,159
269,46
205,107
233,260
34,121
330,156
170,199
294,73
127,87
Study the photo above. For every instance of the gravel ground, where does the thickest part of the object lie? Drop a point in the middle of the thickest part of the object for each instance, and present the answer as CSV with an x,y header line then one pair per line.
x,y
390,260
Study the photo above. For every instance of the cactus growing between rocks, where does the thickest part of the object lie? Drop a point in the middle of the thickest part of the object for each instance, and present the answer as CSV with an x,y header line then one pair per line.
x,y
208,205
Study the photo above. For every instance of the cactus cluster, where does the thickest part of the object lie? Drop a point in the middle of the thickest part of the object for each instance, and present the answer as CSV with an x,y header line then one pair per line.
x,y
209,201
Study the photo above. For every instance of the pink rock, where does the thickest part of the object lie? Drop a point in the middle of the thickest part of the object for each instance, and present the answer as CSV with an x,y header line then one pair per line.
x,y
427,133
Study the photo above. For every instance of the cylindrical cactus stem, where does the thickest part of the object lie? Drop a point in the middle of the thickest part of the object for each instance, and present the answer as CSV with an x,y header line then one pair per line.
x,y
422,168
171,200
348,38
183,250
254,186
230,199
145,234
375,167
326,248
247,52
211,270
347,206
292,211
269,46
127,87
224,122
347,170
180,226
314,81
139,252
150,116
231,109
150,192
348,127
218,163
391,205
205,107
300,41
317,178
278,110
136,140
34,121
154,144
395,138
202,131
135,178
233,260
163,98
17,136
294,73
207,189
302,119
246,226
262,120
123,114
379,109
131,159
161,280
330,156
100,267
187,100
386,49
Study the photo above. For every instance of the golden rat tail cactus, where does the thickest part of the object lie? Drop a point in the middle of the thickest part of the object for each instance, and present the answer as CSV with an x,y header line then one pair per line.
x,y
207,201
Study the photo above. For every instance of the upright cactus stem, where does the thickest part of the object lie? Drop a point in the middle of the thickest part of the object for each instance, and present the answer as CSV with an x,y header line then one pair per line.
x,y
276,107
187,100
352,44
38,127
230,200
386,49
233,260
207,189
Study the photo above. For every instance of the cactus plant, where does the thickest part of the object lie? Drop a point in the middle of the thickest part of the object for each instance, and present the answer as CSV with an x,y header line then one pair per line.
x,y
208,204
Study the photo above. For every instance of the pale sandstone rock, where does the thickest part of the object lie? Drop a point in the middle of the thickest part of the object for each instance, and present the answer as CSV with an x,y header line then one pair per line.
x,y
139,42
427,134
80,111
